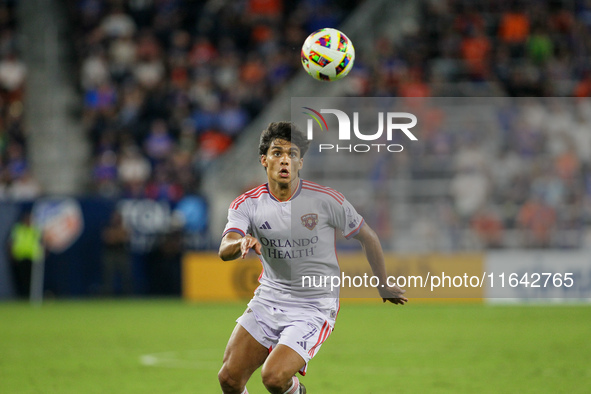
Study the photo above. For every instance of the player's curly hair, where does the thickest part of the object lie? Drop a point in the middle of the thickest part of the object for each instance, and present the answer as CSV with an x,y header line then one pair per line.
x,y
285,131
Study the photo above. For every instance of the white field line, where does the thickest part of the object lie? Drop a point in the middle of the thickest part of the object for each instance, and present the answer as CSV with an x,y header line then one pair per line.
x,y
204,359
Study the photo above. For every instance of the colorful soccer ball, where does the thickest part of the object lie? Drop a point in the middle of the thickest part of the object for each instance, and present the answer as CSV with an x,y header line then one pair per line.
x,y
328,54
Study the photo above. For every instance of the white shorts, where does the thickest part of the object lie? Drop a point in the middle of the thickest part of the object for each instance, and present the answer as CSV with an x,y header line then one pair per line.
x,y
302,329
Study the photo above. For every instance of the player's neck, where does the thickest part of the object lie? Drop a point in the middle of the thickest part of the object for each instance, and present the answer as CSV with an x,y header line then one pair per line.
x,y
284,191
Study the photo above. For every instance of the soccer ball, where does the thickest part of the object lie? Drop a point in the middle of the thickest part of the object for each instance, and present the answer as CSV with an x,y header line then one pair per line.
x,y
328,54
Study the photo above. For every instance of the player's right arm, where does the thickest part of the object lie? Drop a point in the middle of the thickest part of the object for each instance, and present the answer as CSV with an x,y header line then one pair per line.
x,y
234,245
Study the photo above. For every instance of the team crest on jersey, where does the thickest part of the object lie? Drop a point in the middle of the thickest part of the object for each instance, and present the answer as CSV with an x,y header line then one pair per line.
x,y
310,220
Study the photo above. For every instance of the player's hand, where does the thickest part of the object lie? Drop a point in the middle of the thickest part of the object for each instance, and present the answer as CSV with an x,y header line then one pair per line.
x,y
249,242
393,294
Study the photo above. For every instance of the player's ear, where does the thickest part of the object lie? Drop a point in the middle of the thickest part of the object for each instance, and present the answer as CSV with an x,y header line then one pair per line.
x,y
264,161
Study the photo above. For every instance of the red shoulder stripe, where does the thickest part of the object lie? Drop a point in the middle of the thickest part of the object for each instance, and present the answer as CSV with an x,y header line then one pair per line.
x,y
244,196
330,192
326,189
325,192
238,203
319,186
248,194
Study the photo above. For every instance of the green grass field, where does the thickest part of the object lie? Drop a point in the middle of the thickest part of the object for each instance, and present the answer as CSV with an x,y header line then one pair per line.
x,y
169,346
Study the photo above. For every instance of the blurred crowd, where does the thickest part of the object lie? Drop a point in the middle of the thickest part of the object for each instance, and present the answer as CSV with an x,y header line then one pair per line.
x,y
521,177
168,85
528,47
520,47
528,169
508,173
16,180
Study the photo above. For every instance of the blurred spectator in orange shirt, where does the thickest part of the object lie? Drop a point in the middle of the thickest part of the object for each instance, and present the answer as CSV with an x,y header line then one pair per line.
x,y
488,228
514,27
267,9
413,86
583,87
475,50
538,219
567,164
253,71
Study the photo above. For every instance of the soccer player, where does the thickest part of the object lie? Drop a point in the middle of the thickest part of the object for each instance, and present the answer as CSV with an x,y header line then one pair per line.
x,y
290,224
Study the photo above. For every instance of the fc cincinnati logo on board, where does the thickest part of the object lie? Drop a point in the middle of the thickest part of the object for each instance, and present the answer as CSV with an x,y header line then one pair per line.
x,y
310,220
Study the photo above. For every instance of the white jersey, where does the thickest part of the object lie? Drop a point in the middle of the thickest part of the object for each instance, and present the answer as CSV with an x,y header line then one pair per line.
x,y
298,240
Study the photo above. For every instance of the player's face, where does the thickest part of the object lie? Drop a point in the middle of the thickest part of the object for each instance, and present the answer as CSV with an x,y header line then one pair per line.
x,y
282,161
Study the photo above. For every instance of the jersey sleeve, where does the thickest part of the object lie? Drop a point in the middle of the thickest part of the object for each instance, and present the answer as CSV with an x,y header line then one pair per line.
x,y
238,221
347,219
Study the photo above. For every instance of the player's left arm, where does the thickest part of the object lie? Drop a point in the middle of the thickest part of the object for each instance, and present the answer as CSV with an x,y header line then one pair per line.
x,y
375,256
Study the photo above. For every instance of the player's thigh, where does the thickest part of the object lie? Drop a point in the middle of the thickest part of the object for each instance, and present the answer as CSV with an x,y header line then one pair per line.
x,y
283,362
243,354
